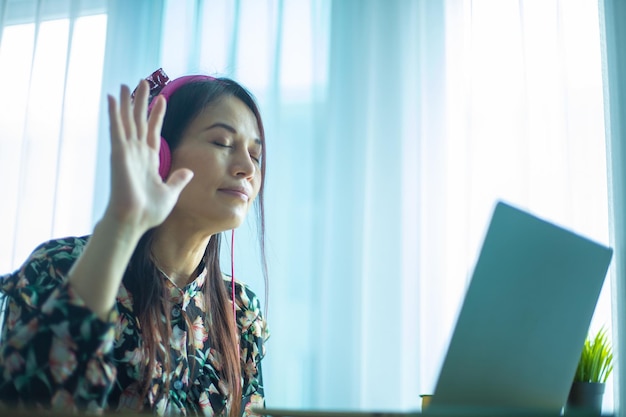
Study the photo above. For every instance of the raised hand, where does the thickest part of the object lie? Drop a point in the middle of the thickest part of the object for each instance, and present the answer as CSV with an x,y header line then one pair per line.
x,y
139,197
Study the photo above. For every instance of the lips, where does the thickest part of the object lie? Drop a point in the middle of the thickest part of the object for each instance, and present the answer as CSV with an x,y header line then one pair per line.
x,y
239,192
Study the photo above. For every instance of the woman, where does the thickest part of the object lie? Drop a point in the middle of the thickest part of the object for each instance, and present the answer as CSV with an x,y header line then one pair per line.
x,y
138,315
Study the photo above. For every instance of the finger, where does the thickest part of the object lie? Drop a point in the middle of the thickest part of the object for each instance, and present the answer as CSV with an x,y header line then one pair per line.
x,y
155,122
115,126
126,113
140,108
179,180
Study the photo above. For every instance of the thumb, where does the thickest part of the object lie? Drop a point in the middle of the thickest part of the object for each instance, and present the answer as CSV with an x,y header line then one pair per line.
x,y
179,179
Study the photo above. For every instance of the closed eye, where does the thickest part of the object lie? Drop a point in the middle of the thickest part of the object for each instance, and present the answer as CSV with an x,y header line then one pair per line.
x,y
222,145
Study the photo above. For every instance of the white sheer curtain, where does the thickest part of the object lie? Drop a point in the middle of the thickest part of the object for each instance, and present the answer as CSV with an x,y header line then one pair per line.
x,y
51,56
392,128
613,14
58,58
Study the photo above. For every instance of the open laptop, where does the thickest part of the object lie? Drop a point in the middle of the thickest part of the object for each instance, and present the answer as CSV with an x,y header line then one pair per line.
x,y
522,325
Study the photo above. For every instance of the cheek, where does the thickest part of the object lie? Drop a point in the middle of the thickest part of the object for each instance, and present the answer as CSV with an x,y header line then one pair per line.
x,y
202,163
256,185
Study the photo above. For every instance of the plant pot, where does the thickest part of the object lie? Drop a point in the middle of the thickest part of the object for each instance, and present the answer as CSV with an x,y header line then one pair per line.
x,y
585,397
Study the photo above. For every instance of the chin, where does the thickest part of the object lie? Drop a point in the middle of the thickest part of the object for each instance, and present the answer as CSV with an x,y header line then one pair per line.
x,y
222,220
232,223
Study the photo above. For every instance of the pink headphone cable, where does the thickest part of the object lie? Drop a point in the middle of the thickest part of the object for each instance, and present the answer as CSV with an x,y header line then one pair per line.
x,y
232,272
232,287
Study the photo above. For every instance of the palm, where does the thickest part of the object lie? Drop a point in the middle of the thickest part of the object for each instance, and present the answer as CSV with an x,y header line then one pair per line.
x,y
139,197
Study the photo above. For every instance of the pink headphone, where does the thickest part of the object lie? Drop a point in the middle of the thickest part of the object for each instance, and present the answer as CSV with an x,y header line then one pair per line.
x,y
160,84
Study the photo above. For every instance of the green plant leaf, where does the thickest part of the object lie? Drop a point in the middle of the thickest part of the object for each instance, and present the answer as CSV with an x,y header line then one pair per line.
x,y
596,359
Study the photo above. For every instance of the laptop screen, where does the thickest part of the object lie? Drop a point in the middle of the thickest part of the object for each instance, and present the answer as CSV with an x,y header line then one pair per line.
x,y
525,316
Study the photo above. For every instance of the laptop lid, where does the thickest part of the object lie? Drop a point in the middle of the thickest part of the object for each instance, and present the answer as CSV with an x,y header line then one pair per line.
x,y
525,316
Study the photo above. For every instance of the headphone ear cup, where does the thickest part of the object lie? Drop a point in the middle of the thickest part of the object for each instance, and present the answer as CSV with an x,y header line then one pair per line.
x,y
165,159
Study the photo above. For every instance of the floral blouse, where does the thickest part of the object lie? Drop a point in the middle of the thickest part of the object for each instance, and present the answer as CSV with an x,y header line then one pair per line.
x,y
55,352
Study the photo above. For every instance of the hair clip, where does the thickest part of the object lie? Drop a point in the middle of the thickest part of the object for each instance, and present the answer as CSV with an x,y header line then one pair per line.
x,y
157,80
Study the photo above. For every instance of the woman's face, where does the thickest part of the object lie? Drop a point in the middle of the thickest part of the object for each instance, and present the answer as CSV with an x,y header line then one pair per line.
x,y
222,146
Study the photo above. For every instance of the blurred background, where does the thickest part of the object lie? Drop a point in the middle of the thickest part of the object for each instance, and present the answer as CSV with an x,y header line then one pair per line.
x,y
392,129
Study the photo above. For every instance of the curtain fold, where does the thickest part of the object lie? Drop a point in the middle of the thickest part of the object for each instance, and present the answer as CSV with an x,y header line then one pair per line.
x,y
613,14
133,46
50,55
386,62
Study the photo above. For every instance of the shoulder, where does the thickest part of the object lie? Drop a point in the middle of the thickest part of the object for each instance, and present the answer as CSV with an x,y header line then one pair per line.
x,y
246,298
249,312
47,265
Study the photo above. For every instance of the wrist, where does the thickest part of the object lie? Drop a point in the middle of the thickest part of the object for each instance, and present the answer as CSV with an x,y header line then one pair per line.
x,y
97,273
120,232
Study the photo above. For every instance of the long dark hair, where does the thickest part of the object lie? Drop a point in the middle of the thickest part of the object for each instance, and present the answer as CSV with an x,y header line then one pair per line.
x,y
150,301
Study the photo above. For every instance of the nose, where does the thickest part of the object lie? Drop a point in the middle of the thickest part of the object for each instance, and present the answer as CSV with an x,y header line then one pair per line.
x,y
243,165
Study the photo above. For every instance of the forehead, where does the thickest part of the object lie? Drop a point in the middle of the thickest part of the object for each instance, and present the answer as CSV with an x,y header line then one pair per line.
x,y
229,110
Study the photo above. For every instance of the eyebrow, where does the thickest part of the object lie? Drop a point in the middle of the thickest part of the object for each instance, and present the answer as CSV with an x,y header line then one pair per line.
x,y
231,130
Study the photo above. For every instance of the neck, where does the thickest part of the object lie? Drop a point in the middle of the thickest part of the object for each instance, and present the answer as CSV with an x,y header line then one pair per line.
x,y
178,253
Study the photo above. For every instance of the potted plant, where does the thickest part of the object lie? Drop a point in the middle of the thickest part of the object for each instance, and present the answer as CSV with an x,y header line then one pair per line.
x,y
594,367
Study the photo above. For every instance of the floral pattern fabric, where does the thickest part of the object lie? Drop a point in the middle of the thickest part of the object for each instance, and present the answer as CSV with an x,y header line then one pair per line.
x,y
56,353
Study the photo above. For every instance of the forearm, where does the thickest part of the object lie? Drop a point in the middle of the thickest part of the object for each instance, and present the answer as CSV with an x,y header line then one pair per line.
x,y
98,272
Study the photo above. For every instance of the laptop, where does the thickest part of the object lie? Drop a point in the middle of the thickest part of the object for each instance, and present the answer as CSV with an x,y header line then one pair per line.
x,y
522,325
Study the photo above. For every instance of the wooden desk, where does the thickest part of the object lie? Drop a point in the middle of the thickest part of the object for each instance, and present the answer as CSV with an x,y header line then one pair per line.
x,y
440,412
